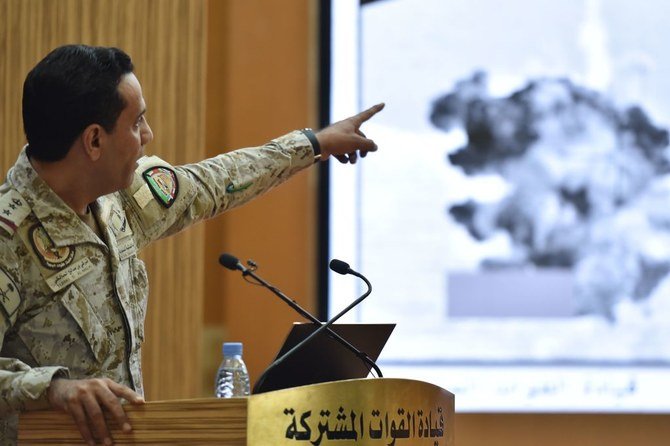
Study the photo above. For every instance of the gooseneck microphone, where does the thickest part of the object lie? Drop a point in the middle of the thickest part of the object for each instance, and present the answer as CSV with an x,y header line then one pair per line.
x,y
232,263
342,268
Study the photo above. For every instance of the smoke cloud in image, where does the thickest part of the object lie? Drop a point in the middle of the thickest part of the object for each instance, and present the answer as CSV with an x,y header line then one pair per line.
x,y
588,185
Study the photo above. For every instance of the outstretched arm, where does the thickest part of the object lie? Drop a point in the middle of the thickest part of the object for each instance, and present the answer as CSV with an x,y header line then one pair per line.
x,y
204,189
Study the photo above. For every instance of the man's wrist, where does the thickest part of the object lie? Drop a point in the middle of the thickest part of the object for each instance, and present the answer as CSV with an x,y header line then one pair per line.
x,y
314,141
62,373
58,375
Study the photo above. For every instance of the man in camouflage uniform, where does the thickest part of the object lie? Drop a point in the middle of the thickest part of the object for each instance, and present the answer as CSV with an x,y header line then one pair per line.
x,y
76,208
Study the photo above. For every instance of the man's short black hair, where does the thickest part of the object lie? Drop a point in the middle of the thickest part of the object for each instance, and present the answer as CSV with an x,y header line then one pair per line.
x,y
73,87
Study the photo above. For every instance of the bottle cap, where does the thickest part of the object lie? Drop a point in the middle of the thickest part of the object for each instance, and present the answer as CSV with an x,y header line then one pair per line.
x,y
232,349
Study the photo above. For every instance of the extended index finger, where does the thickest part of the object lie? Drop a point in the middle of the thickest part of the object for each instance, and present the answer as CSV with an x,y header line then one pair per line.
x,y
367,114
124,392
114,406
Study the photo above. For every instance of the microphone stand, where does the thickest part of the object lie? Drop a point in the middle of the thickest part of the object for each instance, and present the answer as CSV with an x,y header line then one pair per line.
x,y
307,315
322,328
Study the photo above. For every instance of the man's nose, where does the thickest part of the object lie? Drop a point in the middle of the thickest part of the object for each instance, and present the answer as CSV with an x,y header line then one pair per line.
x,y
147,135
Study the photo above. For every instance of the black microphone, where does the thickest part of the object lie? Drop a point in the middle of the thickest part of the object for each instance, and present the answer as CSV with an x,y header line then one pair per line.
x,y
231,262
340,267
337,266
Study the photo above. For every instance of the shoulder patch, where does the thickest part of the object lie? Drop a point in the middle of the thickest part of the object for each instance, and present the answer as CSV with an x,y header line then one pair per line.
x,y
10,298
162,182
13,210
119,223
50,256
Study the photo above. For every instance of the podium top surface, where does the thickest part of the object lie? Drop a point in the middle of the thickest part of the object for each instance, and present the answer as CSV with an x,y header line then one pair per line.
x,y
364,412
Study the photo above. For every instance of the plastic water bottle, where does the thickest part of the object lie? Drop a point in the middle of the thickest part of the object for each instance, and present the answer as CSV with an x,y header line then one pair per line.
x,y
232,379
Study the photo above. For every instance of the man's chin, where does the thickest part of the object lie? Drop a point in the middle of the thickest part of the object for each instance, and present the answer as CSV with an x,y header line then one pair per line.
x,y
129,181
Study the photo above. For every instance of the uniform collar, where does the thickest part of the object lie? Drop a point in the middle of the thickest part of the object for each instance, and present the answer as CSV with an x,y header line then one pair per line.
x,y
59,220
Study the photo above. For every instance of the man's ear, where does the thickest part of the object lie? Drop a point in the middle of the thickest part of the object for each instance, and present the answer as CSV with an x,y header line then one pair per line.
x,y
93,138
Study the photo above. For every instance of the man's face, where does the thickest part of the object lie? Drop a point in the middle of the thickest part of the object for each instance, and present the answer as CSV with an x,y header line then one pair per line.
x,y
125,144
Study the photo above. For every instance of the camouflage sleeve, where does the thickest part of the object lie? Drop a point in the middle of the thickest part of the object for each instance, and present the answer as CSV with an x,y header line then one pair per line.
x,y
21,387
164,200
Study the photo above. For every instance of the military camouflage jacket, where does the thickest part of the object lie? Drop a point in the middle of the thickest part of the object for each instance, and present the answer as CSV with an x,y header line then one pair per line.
x,y
73,303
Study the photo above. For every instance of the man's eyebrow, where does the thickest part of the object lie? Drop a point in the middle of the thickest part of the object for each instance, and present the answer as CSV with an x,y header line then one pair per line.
x,y
144,110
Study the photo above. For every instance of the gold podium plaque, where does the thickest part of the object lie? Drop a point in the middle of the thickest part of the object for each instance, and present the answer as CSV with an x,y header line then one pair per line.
x,y
362,412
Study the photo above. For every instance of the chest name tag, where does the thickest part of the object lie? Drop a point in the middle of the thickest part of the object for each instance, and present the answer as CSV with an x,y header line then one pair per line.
x,y
126,247
63,278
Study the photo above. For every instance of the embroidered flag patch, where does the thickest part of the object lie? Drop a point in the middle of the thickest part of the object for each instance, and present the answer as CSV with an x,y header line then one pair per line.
x,y
162,182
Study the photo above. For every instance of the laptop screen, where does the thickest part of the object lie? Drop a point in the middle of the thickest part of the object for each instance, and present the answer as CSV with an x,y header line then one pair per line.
x,y
324,359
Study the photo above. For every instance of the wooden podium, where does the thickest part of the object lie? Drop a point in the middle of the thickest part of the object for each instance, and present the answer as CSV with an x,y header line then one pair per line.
x,y
365,412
